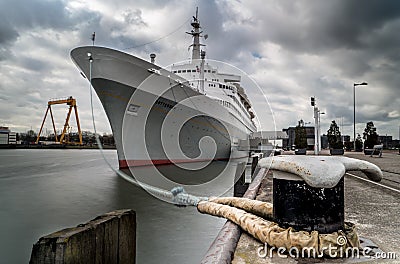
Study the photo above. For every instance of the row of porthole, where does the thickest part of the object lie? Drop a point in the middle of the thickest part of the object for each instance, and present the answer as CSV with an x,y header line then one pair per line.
x,y
223,86
228,104
195,70
237,102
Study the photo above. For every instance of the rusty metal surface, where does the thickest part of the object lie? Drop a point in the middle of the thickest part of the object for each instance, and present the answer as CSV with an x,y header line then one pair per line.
x,y
224,245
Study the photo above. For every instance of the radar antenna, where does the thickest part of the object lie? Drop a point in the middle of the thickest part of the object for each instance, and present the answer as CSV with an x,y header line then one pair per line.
x,y
196,33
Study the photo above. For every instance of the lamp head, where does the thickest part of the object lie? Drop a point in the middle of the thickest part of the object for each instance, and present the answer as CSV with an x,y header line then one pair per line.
x,y
363,83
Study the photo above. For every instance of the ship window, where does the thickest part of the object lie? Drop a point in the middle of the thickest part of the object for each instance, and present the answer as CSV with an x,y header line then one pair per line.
x,y
179,71
174,71
183,71
213,71
220,86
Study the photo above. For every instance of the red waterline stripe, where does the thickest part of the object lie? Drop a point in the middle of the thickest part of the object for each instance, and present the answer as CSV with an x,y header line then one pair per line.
x,y
124,164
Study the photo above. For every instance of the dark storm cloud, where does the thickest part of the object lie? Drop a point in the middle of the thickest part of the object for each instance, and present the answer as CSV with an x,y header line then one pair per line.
x,y
7,36
21,14
343,24
19,17
317,26
230,33
38,65
47,14
113,33
7,32
351,32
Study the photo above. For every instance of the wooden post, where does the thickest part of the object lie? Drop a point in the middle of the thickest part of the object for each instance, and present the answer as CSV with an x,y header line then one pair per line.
x,y
110,238
254,163
240,186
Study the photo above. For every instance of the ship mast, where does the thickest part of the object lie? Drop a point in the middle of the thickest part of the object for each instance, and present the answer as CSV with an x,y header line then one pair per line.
x,y
195,32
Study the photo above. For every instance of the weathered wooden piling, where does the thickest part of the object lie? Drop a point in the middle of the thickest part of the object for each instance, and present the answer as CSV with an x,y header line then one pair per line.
x,y
109,238
241,185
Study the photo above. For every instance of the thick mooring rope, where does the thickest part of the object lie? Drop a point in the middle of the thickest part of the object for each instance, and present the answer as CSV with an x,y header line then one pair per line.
x,y
266,231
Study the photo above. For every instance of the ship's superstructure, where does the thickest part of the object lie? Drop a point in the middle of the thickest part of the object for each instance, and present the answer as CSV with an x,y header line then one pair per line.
x,y
203,77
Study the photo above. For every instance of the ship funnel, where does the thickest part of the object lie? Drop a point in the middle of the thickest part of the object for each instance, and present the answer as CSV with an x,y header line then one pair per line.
x,y
152,57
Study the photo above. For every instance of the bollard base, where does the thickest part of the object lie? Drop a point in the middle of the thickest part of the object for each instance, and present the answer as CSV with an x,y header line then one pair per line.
x,y
298,205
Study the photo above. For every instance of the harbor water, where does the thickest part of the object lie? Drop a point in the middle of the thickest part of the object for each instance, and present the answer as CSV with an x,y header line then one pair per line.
x,y
44,190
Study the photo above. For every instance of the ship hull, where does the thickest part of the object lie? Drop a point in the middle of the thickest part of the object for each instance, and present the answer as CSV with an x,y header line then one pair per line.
x,y
156,118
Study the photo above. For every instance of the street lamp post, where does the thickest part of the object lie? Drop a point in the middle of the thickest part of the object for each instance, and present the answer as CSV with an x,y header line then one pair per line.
x,y
317,119
313,104
354,111
319,131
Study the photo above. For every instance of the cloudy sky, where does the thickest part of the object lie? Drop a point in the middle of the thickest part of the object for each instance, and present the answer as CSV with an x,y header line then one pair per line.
x,y
292,49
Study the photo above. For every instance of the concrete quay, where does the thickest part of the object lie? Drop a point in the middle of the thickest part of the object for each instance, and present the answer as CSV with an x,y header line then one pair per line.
x,y
373,209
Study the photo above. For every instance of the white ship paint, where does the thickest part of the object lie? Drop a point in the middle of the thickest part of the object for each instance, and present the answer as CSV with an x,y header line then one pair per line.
x,y
189,113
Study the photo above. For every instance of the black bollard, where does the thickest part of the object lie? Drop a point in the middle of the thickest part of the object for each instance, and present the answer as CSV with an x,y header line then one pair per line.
x,y
303,207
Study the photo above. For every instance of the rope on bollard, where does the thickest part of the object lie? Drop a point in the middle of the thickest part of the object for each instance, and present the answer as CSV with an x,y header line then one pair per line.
x,y
265,231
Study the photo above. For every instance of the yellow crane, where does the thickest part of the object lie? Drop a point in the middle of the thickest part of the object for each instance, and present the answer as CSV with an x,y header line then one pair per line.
x,y
72,104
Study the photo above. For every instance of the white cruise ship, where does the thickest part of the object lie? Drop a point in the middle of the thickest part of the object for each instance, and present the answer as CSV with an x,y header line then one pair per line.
x,y
188,113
